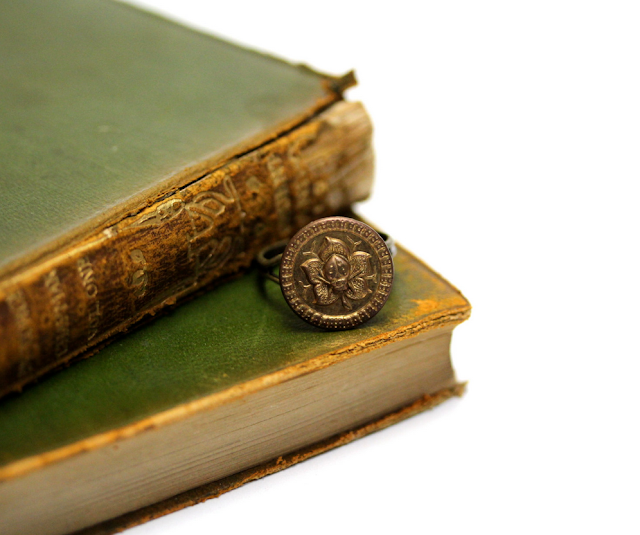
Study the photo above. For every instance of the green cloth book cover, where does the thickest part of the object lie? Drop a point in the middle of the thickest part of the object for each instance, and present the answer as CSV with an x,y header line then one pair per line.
x,y
142,160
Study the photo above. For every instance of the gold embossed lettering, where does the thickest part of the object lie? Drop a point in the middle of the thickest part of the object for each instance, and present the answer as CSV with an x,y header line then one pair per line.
x,y
59,306
94,313
28,346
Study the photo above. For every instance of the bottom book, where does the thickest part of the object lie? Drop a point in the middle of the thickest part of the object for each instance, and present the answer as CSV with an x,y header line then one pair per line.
x,y
227,388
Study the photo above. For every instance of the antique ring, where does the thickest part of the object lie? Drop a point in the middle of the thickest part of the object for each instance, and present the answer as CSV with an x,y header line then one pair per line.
x,y
335,273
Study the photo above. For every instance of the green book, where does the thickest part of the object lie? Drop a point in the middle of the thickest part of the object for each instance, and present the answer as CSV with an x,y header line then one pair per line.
x,y
227,388
141,161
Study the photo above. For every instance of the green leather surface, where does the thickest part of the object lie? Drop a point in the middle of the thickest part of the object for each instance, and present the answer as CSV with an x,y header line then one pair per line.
x,y
239,331
100,101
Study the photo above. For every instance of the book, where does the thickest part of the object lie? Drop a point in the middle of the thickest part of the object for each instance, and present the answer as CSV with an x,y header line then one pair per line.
x,y
142,161
228,387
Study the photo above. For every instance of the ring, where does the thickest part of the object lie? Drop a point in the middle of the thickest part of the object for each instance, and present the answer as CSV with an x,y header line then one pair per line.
x,y
335,273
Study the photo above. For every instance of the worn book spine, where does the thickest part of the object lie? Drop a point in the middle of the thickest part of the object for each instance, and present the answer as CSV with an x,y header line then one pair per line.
x,y
101,284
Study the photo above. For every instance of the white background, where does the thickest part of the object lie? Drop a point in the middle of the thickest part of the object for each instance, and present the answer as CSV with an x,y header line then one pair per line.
x,y
507,137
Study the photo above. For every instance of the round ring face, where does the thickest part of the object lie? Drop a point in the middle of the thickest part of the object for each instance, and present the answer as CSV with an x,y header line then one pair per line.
x,y
336,273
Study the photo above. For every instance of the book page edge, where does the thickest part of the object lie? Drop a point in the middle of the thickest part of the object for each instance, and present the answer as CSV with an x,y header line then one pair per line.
x,y
446,319
224,485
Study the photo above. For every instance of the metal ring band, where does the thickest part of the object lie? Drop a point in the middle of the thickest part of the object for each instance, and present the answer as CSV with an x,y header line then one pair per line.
x,y
269,259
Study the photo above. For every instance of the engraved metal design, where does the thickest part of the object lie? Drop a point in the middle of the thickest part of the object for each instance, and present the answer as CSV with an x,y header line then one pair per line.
x,y
336,273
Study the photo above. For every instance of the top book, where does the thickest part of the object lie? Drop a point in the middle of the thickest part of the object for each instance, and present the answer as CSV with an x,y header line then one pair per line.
x,y
142,160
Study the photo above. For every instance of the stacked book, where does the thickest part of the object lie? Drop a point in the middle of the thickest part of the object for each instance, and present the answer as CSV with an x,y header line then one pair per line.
x,y
144,167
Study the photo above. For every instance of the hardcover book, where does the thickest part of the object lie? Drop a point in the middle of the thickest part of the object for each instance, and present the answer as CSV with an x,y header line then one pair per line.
x,y
227,388
142,160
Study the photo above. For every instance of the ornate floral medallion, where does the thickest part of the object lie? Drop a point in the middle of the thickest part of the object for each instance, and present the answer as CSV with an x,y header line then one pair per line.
x,y
336,273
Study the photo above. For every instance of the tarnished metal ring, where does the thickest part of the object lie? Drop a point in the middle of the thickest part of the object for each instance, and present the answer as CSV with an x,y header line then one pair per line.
x,y
335,273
